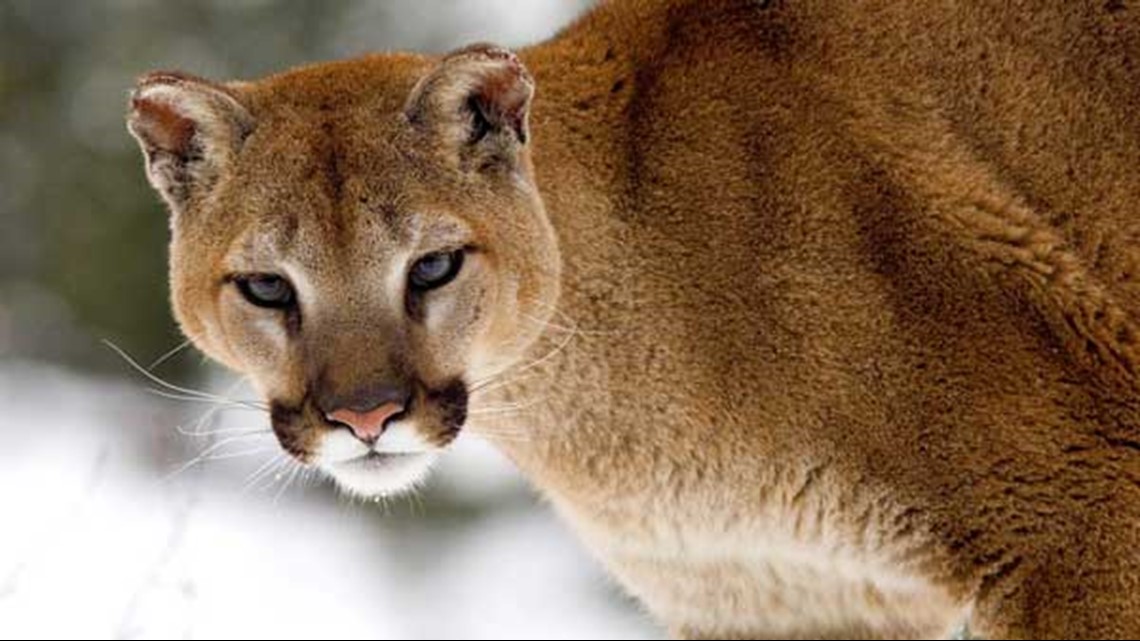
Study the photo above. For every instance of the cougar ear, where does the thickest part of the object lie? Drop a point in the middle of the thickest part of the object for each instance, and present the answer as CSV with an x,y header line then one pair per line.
x,y
475,103
189,130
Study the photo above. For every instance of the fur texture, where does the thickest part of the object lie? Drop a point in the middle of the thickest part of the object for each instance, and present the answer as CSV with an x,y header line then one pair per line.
x,y
819,318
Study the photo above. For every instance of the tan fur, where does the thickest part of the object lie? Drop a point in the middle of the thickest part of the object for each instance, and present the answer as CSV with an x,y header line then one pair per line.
x,y
838,300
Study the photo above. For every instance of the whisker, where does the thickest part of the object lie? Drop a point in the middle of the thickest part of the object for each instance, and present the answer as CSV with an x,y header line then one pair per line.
x,y
263,469
573,324
506,438
419,507
500,428
270,475
288,481
492,384
507,407
208,416
308,477
497,429
385,505
156,379
231,455
511,404
278,475
571,331
547,324
230,403
168,355
226,430
497,411
512,374
205,454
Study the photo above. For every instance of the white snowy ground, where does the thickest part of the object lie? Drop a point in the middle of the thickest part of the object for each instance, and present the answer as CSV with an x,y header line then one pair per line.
x,y
96,541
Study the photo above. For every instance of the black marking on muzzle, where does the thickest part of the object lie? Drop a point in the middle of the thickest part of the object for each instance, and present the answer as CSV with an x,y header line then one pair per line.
x,y
452,403
287,426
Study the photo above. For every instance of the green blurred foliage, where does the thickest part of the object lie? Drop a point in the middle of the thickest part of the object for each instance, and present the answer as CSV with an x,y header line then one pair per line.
x,y
82,242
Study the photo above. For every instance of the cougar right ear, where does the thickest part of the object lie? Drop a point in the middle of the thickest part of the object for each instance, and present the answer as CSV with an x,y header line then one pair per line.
x,y
475,104
189,130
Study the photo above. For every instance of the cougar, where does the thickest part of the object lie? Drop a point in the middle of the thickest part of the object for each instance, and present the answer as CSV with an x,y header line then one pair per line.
x,y
812,319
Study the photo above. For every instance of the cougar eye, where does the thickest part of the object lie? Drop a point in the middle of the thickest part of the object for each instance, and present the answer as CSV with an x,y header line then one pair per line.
x,y
436,269
266,290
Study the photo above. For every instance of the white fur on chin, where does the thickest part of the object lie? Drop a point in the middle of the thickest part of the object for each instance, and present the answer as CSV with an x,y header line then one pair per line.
x,y
395,474
405,461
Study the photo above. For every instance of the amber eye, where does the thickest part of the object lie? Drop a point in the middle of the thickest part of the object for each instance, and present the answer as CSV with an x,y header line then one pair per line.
x,y
435,270
266,290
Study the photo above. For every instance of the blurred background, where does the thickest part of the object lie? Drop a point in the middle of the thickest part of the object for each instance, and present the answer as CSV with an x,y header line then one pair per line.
x,y
127,513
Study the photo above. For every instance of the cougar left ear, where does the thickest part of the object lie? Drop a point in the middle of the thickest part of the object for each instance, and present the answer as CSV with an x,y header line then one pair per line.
x,y
189,130
475,102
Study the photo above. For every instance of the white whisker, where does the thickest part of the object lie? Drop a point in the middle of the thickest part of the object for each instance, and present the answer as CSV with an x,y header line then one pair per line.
x,y
497,411
168,355
572,325
506,408
226,403
231,455
159,381
205,454
288,481
208,416
493,384
506,438
227,430
264,478
261,471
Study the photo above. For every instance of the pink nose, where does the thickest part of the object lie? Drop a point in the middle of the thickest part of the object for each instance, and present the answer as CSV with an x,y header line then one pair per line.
x,y
368,426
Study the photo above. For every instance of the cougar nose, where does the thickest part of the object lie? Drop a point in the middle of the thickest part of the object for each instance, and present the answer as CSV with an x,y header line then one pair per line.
x,y
368,415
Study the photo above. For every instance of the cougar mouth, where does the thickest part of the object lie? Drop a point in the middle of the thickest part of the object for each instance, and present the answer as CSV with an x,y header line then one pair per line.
x,y
381,474
378,460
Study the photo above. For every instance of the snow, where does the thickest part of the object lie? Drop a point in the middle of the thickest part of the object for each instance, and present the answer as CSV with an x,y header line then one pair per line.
x,y
98,539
